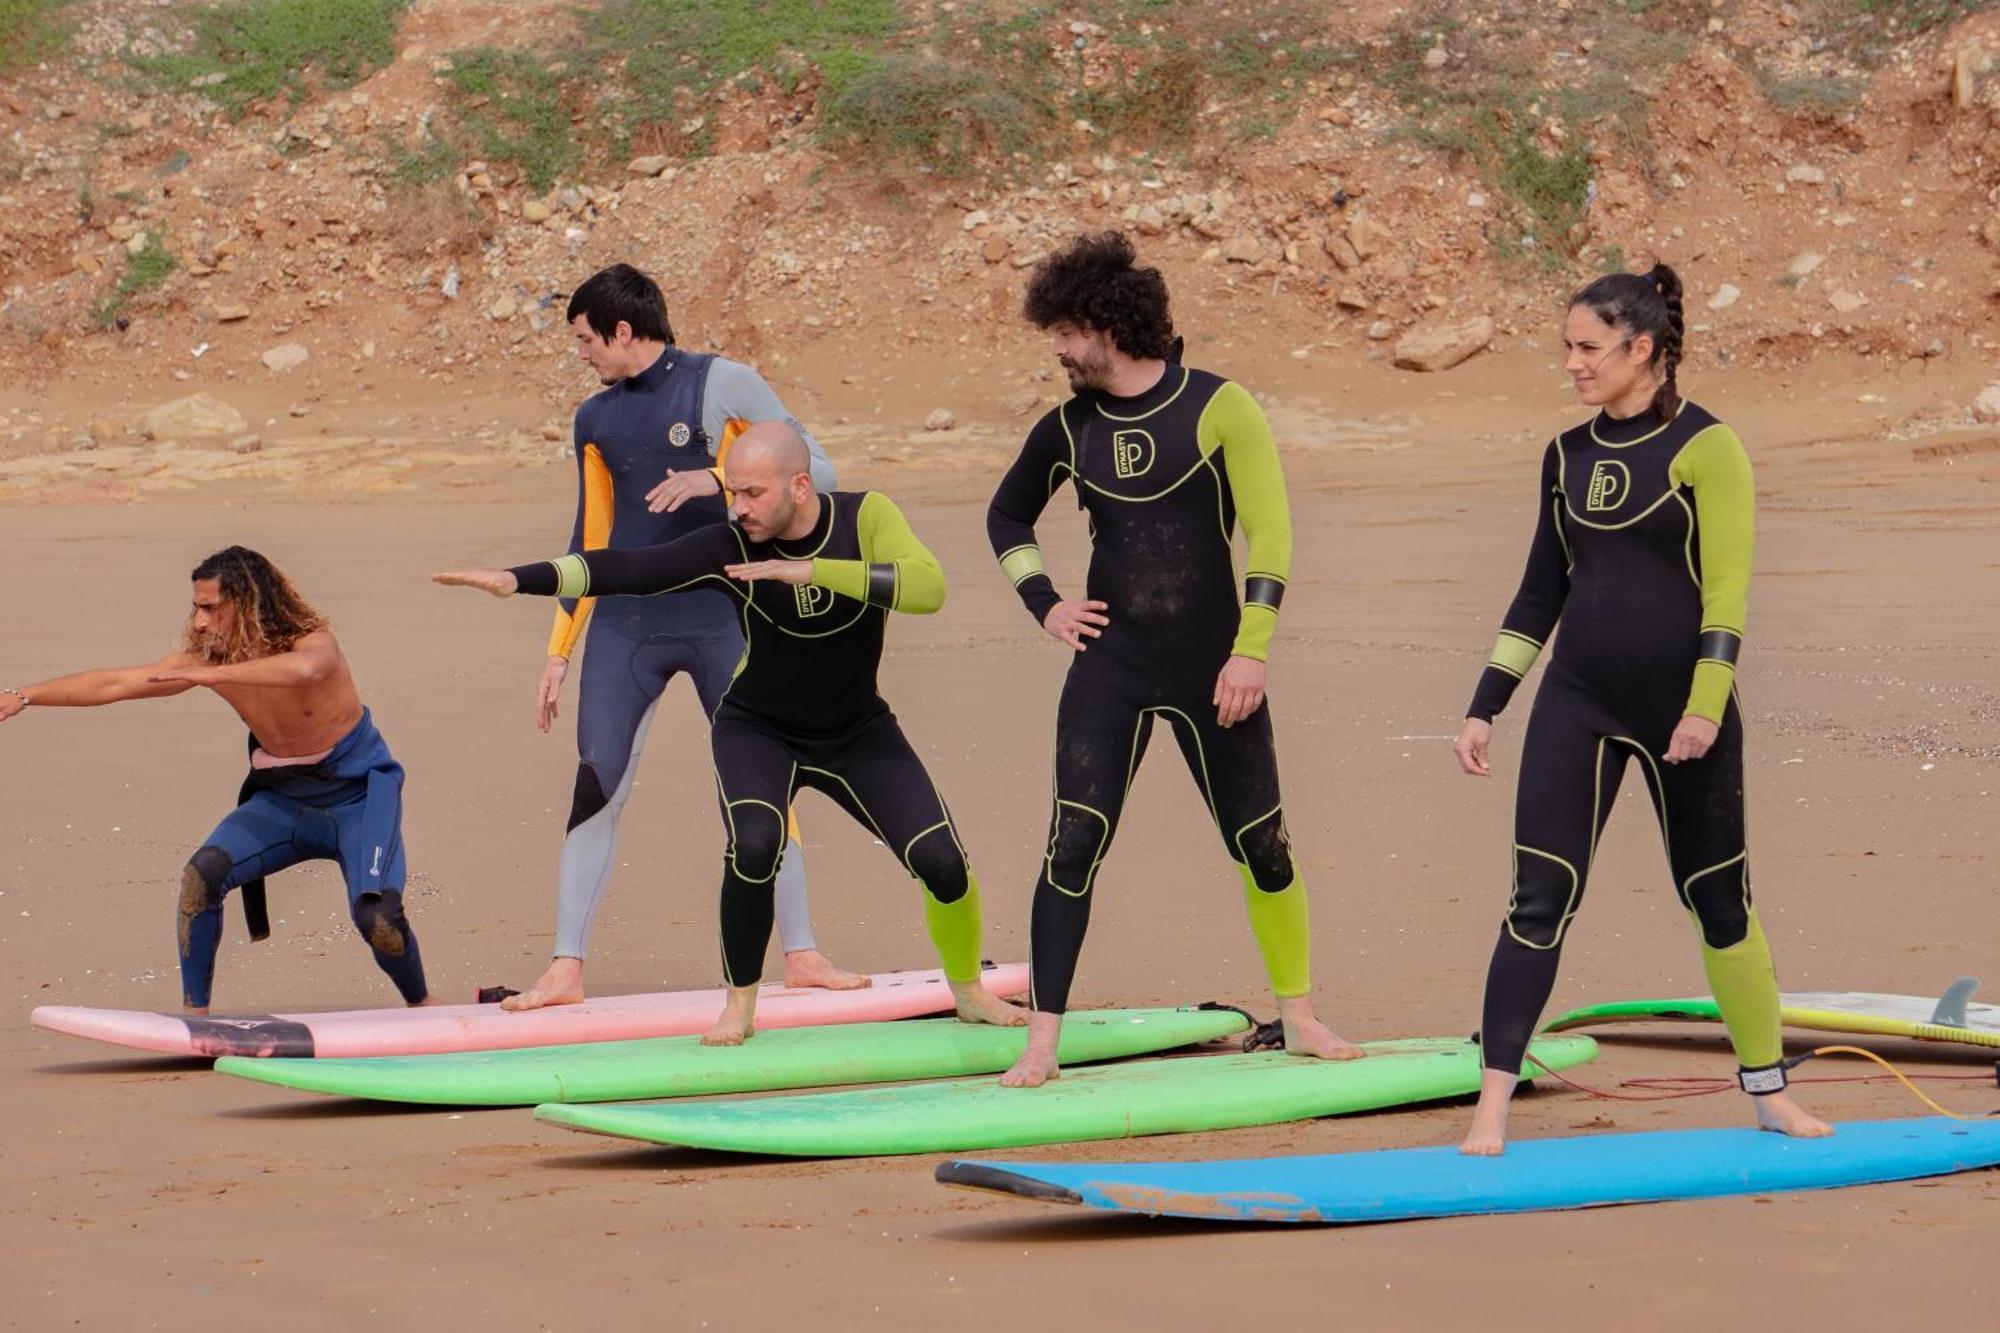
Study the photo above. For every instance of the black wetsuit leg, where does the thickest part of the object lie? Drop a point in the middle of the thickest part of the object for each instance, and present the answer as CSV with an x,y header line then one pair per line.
x,y
870,771
1701,809
1101,733
1237,771
873,773
1103,725
1571,768
755,774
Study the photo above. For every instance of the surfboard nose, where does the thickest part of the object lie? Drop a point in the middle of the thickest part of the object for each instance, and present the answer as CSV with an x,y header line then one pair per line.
x,y
134,1028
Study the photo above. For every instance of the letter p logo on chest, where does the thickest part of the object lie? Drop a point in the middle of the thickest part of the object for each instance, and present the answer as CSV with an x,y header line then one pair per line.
x,y
1609,481
812,601
1131,453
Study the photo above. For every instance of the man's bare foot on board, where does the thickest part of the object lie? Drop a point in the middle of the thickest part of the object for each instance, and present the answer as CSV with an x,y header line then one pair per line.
x,y
561,984
738,1022
811,968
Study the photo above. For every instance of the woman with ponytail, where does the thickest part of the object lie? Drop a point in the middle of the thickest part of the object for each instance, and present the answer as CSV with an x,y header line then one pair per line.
x,y
1642,550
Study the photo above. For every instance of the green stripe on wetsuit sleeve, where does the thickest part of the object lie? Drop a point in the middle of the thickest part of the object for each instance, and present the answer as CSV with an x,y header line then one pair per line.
x,y
1714,465
572,576
895,569
1233,422
1514,653
1023,562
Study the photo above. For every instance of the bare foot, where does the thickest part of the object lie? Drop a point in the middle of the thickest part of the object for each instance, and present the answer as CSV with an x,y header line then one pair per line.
x,y
1488,1135
1306,1035
561,984
1778,1113
976,1004
195,1011
738,1022
1037,1064
810,967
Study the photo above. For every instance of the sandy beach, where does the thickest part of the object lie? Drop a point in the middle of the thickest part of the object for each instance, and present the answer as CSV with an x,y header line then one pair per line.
x,y
147,1193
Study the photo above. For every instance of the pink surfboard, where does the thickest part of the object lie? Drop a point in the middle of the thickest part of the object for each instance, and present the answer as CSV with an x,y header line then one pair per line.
x,y
452,1028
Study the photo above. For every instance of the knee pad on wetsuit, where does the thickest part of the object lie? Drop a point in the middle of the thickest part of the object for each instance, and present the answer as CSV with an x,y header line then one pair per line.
x,y
756,841
1545,888
201,885
936,860
379,918
1720,901
1267,853
1074,846
589,797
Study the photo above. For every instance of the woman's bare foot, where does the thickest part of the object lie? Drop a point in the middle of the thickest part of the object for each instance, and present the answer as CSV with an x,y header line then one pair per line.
x,y
976,1004
1037,1064
1488,1135
561,984
1778,1113
1306,1035
738,1022
811,968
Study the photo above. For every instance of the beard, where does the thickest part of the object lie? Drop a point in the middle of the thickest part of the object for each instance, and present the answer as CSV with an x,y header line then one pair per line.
x,y
1085,374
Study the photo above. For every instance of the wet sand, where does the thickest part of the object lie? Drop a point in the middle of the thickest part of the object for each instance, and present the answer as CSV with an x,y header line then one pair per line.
x,y
137,1192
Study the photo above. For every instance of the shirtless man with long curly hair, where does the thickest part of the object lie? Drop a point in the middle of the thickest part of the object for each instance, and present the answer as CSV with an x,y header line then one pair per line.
x,y
322,784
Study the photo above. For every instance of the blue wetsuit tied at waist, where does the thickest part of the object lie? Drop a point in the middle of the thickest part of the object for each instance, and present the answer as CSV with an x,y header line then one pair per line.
x,y
346,807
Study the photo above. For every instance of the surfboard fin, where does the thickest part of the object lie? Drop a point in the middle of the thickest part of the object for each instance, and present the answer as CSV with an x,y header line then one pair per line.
x,y
1950,1011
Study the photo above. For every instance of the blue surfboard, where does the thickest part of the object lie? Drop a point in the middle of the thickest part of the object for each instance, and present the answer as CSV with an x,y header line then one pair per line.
x,y
1533,1174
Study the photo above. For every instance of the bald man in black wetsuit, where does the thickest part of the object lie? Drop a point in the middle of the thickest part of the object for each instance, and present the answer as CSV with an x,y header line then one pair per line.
x,y
817,576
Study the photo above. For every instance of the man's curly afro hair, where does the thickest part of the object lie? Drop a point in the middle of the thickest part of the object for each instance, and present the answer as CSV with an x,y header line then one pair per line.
x,y
1093,283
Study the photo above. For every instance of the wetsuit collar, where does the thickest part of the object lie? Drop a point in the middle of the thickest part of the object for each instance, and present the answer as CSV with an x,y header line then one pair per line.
x,y
805,547
1139,404
652,376
1628,430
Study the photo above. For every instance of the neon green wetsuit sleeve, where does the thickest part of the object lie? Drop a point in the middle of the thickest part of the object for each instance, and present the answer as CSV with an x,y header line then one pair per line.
x,y
1234,423
895,569
1714,465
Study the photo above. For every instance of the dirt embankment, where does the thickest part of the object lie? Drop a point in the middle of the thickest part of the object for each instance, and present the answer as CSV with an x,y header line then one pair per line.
x,y
335,259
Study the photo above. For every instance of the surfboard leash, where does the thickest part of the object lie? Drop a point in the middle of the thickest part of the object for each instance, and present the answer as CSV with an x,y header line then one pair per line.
x,y
1898,1074
1663,1089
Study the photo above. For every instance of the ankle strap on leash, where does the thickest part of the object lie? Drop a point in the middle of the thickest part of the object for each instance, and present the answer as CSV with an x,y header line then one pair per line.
x,y
1763,1080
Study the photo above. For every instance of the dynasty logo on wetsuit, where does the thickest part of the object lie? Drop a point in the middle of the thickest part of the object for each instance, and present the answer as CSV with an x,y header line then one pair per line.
x,y
1610,482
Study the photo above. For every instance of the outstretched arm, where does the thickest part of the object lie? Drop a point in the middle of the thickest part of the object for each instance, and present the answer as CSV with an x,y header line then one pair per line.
x,y
109,685
641,571
313,658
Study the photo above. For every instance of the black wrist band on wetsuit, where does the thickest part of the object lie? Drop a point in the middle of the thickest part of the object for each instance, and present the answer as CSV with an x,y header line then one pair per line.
x,y
536,580
1762,1080
882,585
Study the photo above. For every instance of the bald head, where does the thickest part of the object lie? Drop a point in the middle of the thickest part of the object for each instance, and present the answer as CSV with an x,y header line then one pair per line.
x,y
768,473
772,447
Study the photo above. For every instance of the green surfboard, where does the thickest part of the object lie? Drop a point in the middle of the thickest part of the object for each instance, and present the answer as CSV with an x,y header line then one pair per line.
x,y
804,1057
1951,1017
1170,1096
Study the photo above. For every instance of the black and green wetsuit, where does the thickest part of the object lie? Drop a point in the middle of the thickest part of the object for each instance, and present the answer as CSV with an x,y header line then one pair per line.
x,y
1164,477
1642,551
802,709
